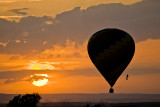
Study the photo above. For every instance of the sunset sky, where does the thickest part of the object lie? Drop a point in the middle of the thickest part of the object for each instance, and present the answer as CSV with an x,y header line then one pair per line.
x,y
46,40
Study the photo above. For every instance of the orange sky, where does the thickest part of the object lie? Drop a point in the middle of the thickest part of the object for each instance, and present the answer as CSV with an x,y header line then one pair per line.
x,y
63,63
146,56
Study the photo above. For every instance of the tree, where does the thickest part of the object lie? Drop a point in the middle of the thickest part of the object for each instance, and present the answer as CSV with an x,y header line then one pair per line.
x,y
28,100
88,105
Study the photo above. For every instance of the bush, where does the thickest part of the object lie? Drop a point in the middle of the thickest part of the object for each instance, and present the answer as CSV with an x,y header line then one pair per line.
x,y
96,105
28,100
88,105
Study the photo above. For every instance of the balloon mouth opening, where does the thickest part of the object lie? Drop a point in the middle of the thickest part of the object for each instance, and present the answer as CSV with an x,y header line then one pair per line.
x,y
111,90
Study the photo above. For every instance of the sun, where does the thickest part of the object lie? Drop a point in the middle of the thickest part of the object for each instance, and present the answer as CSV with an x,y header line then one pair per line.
x,y
40,83
39,79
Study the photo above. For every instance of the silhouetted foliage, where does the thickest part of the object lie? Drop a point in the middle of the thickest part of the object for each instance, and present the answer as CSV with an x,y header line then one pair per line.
x,y
28,100
96,105
88,105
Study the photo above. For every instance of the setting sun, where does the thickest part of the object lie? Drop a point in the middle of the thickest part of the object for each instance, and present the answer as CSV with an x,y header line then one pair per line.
x,y
39,79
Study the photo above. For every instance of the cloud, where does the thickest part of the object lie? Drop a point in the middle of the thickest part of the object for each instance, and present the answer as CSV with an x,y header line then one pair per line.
x,y
6,1
74,59
37,77
3,44
19,11
18,76
14,57
11,1
9,81
141,20
142,71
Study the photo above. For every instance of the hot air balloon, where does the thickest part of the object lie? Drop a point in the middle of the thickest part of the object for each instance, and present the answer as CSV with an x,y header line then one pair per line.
x,y
111,50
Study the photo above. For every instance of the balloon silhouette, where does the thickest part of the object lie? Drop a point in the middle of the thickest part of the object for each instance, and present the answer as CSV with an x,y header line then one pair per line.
x,y
111,50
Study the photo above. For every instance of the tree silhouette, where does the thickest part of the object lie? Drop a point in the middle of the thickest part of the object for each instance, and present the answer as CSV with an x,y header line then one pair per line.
x,y
28,100
96,105
88,105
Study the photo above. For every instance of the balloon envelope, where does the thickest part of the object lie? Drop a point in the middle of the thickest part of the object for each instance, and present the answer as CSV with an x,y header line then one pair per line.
x,y
111,50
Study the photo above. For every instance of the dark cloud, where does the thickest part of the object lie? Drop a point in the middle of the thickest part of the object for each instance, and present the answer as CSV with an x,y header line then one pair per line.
x,y
141,20
25,75
17,76
36,77
20,11
14,57
10,67
142,71
9,81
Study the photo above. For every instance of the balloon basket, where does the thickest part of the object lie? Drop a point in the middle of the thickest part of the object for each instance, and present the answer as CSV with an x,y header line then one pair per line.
x,y
111,90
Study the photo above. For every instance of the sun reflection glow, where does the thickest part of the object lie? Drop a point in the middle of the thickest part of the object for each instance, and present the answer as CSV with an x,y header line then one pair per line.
x,y
41,66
